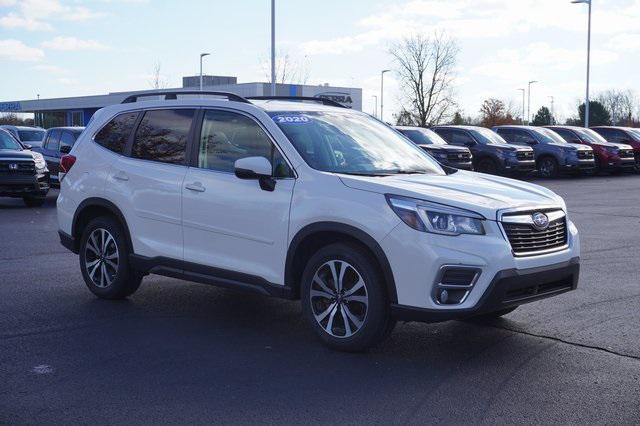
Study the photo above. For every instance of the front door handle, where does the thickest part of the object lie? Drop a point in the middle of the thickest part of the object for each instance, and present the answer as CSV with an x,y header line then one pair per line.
x,y
121,176
196,186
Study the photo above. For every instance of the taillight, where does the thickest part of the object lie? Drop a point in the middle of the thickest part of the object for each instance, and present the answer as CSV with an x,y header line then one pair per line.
x,y
66,162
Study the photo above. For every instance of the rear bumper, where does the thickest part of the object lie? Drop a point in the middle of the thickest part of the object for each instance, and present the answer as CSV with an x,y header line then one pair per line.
x,y
510,287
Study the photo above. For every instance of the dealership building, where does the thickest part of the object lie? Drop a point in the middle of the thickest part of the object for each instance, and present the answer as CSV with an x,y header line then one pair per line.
x,y
77,111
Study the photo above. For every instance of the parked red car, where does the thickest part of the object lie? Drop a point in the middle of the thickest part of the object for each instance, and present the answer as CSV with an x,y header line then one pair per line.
x,y
614,157
626,135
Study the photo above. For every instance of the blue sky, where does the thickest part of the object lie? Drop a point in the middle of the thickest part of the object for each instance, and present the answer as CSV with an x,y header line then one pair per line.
x,y
63,48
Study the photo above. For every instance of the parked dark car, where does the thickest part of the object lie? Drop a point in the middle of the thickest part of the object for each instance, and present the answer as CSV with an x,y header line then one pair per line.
x,y
449,155
58,142
23,173
491,153
26,134
625,135
553,154
614,157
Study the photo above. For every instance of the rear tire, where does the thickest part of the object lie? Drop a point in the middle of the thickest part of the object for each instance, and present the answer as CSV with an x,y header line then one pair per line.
x,y
34,201
344,298
104,260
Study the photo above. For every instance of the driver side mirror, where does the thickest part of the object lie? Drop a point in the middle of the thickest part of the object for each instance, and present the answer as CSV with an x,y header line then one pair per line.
x,y
27,146
65,149
256,168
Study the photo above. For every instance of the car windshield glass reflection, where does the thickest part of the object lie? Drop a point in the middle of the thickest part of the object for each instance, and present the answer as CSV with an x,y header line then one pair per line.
x,y
423,137
352,143
486,136
591,136
548,136
7,142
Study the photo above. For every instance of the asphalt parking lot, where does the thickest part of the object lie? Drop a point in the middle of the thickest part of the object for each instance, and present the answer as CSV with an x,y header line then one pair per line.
x,y
177,352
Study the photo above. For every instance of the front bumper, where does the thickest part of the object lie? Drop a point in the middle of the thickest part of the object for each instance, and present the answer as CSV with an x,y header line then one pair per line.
x,y
463,166
22,186
576,165
510,287
417,258
520,166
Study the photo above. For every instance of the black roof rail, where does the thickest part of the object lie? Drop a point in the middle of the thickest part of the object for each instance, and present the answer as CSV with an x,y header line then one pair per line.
x,y
324,101
173,94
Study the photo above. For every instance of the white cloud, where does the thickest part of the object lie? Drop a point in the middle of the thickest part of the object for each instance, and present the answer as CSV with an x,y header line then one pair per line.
x,y
625,42
49,69
13,21
6,3
18,51
72,44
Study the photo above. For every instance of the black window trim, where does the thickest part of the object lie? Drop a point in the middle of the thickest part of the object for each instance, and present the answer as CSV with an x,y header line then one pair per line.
x,y
195,145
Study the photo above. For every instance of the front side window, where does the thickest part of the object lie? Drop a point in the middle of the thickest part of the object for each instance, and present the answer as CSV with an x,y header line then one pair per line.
x,y
8,142
162,136
567,135
115,134
352,143
518,137
31,135
227,136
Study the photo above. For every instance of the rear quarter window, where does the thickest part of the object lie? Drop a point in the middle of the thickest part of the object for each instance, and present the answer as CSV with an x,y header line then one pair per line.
x,y
115,134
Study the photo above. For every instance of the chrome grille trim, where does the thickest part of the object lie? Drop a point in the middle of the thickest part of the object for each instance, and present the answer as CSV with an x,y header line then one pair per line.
x,y
526,240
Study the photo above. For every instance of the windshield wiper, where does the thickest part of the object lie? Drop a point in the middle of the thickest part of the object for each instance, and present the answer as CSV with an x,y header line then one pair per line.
x,y
364,174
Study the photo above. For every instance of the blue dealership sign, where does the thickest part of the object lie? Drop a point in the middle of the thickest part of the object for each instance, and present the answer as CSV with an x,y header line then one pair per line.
x,y
10,107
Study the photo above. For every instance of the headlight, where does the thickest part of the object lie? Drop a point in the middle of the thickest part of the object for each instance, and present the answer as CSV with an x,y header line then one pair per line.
x,y
613,150
39,160
436,218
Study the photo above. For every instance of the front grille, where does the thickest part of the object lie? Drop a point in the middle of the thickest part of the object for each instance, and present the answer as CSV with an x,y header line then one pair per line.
x,y
25,168
524,155
463,157
527,240
585,155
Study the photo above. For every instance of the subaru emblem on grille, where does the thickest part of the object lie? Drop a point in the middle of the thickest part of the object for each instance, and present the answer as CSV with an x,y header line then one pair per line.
x,y
540,221
13,166
460,156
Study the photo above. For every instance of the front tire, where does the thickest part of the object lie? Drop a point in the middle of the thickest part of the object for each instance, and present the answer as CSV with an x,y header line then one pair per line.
x,y
548,167
344,298
34,201
487,165
104,260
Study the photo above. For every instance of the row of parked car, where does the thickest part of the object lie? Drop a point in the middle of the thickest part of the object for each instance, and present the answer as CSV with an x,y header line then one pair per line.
x,y
523,150
30,160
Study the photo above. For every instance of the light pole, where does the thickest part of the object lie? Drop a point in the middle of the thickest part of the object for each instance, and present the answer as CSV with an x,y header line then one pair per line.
x,y
553,119
586,104
529,102
375,106
202,55
382,94
273,47
523,111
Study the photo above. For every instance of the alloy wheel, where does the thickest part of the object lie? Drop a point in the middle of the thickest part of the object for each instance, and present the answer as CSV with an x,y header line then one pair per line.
x,y
547,168
339,298
101,258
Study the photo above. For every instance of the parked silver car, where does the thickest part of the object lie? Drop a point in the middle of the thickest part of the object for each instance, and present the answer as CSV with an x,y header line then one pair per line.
x,y
26,134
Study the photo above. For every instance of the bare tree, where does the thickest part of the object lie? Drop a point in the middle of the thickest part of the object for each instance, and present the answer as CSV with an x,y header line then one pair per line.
x,y
621,105
288,70
157,81
425,66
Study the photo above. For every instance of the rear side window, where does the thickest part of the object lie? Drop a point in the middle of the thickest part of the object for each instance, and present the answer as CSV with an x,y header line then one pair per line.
x,y
461,138
162,136
67,139
115,134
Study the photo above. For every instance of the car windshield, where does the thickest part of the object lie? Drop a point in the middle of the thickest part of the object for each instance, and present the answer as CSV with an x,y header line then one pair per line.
x,y
352,143
635,132
423,136
486,136
31,135
548,136
591,136
8,142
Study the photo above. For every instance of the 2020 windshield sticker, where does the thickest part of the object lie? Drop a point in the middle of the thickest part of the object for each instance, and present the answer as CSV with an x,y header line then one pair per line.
x,y
291,119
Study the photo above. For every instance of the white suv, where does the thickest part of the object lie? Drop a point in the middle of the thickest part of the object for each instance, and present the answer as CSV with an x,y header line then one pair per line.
x,y
305,200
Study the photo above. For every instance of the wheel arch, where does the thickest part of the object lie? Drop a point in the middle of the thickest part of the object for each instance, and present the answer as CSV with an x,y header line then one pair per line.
x,y
316,235
92,208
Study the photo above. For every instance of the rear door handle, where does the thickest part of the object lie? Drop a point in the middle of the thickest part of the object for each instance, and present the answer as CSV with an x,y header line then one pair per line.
x,y
196,186
121,176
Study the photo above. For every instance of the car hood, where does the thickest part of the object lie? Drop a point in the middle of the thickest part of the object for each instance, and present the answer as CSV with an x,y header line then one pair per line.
x,y
10,153
573,146
444,148
509,147
479,192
